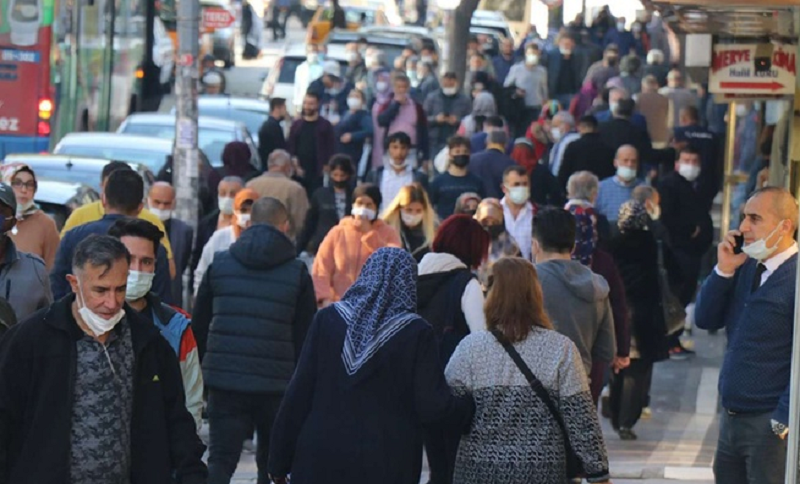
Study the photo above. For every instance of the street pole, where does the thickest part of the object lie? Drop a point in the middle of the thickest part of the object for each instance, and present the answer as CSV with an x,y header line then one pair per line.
x,y
186,154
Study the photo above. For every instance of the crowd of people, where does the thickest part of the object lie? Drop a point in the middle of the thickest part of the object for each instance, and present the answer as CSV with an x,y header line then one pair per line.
x,y
464,263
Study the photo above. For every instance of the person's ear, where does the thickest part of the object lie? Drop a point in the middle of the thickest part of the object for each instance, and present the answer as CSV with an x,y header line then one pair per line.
x,y
139,210
73,283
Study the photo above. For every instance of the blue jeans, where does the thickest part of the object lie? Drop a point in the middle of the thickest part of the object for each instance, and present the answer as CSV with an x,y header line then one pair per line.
x,y
231,418
748,452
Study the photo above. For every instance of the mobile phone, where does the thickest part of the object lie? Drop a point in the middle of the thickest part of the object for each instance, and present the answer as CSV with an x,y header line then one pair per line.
x,y
737,247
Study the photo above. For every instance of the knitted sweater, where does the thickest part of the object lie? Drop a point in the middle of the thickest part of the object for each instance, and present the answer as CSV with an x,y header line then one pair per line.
x,y
756,370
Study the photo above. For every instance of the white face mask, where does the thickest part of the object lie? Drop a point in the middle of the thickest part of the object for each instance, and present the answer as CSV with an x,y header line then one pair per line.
x,y
352,56
242,219
411,219
532,59
613,107
312,58
363,212
688,171
625,173
758,250
427,59
162,215
139,284
354,103
226,205
519,195
565,51
555,133
741,110
398,165
449,91
620,26
381,86
96,323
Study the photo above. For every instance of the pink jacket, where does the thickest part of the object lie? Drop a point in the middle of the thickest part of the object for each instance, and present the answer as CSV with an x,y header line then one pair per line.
x,y
343,253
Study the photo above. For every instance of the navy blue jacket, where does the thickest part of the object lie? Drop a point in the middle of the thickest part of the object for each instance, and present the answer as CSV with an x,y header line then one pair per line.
x,y
38,361
704,141
756,370
502,66
489,166
63,264
181,236
326,97
637,119
253,311
359,125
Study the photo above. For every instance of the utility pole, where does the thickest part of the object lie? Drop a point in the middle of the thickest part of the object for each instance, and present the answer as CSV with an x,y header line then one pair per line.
x,y
186,153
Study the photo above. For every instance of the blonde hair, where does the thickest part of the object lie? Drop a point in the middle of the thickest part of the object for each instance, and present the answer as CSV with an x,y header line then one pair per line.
x,y
408,195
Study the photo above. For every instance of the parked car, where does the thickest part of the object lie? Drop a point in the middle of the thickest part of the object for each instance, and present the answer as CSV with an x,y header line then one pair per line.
x,y
356,16
494,22
149,151
59,199
213,134
280,81
73,169
248,111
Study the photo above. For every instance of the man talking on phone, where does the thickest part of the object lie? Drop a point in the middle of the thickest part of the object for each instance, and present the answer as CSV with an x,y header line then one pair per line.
x,y
750,293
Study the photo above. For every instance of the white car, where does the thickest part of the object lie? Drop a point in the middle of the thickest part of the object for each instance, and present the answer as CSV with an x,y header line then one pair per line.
x,y
280,81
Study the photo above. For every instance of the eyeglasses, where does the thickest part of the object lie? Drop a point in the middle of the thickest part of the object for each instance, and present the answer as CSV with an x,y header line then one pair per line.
x,y
31,185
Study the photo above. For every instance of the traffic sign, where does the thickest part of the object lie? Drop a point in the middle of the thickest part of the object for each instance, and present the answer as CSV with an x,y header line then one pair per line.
x,y
753,69
216,18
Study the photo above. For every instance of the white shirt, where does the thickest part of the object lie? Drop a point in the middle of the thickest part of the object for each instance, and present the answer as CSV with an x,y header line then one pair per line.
x,y
521,228
772,264
219,241
303,77
392,182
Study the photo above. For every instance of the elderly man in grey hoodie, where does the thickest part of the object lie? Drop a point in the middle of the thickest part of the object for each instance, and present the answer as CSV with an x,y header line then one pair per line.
x,y
575,297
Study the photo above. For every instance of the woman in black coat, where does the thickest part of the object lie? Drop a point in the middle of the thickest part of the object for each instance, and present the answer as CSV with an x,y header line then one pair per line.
x,y
369,378
328,204
636,253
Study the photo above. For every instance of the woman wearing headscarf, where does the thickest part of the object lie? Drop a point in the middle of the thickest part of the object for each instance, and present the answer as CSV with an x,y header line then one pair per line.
x,y
344,251
483,107
510,414
236,158
636,254
224,237
582,190
467,203
368,379
34,232
450,298
490,216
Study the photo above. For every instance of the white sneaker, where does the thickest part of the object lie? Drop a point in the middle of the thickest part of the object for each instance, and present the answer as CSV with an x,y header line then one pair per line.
x,y
647,413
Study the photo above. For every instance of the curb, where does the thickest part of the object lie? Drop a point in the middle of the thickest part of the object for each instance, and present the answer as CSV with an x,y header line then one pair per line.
x,y
668,472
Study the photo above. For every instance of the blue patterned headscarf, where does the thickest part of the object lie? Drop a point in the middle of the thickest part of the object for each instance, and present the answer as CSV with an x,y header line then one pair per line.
x,y
381,302
585,230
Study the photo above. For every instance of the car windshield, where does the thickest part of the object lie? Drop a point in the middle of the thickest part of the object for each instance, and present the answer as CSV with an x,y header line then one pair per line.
x,y
252,119
73,175
351,15
211,140
153,160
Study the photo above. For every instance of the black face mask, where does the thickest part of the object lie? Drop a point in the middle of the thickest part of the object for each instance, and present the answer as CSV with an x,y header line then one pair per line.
x,y
460,160
495,231
340,184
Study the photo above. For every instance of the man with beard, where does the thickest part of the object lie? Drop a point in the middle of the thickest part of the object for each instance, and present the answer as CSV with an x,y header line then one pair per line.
x,y
311,143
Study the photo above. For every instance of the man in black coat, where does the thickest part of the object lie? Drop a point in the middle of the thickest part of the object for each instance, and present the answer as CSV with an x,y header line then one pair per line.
x,y
90,391
254,308
161,201
270,136
689,226
620,131
588,153
691,134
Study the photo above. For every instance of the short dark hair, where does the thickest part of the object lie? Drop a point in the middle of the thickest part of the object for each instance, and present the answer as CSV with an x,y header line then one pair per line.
x,y
99,251
136,227
689,150
589,121
268,211
456,141
450,75
514,169
313,94
626,107
275,103
341,162
124,191
495,122
398,137
370,190
554,229
692,112
112,167
400,77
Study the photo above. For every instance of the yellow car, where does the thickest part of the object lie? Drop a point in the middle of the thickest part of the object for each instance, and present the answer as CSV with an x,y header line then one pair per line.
x,y
322,22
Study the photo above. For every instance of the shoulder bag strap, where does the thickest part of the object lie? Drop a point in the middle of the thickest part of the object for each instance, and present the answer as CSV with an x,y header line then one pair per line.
x,y
534,382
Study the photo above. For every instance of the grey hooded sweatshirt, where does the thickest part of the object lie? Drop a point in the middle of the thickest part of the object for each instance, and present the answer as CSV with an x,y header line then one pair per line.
x,y
576,299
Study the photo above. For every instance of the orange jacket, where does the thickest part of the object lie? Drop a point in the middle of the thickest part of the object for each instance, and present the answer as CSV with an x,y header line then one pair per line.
x,y
343,253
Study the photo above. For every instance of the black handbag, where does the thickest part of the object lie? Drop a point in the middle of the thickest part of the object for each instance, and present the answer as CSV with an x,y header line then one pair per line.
x,y
574,465
674,312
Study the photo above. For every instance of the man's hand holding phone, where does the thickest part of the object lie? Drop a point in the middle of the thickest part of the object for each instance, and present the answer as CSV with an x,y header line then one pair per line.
x,y
729,252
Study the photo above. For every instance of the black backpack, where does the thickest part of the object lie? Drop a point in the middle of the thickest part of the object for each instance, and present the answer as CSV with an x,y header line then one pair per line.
x,y
442,308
